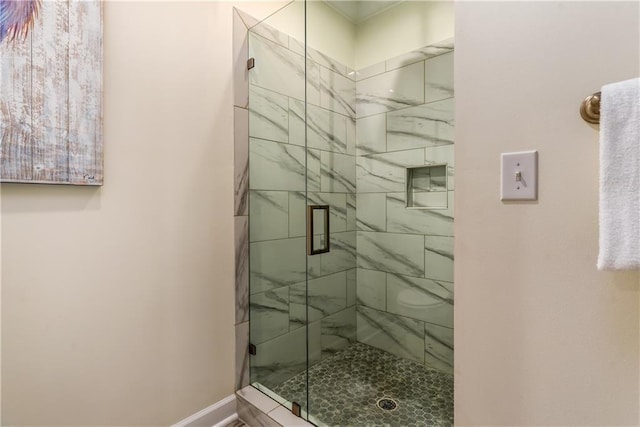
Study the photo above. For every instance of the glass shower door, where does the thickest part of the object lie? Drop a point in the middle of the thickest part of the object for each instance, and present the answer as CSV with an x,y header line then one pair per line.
x,y
277,206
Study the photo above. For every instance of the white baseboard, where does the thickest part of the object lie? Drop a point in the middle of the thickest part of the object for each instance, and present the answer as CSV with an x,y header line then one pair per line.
x,y
218,414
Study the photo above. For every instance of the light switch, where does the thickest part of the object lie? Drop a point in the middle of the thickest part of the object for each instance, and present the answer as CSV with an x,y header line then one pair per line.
x,y
519,176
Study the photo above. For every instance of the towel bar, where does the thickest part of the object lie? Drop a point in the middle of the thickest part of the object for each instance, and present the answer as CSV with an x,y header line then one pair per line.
x,y
590,108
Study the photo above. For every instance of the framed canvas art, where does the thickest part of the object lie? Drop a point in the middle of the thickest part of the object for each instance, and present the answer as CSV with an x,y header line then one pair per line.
x,y
51,92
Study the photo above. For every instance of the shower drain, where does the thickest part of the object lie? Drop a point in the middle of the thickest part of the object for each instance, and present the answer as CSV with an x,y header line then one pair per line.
x,y
387,404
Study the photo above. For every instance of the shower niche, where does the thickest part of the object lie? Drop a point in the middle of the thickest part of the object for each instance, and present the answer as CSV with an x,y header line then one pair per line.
x,y
332,330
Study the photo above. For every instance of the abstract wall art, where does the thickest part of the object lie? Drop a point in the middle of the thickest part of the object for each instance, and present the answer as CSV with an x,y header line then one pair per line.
x,y
51,92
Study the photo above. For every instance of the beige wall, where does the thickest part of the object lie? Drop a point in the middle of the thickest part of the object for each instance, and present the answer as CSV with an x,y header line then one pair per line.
x,y
541,337
399,30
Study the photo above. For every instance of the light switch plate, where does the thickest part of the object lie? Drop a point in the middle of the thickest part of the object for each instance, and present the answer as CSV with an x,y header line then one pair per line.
x,y
519,176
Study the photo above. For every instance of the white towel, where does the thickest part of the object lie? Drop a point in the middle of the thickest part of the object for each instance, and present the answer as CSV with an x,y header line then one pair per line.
x,y
620,176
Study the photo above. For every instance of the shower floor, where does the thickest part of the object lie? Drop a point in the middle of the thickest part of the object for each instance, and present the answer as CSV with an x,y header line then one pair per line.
x,y
344,390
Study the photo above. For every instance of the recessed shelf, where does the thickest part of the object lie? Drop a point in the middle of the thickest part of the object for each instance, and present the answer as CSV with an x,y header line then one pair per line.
x,y
427,187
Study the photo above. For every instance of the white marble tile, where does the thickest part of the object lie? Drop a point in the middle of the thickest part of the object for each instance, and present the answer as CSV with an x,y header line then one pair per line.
x,y
423,126
352,282
276,166
438,348
274,263
399,335
351,211
338,331
370,71
351,136
371,133
241,160
240,57
297,214
279,359
386,172
438,258
242,355
337,93
443,154
372,289
314,169
371,211
269,215
270,33
390,252
319,58
269,314
390,91
437,222
420,299
338,173
416,56
276,67
317,298
241,232
268,115
342,255
324,130
439,78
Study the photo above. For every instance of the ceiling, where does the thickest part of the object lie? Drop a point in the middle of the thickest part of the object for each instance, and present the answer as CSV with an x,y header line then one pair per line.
x,y
360,11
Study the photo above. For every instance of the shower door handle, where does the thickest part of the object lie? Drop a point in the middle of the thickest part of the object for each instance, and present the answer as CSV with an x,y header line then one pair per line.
x,y
317,229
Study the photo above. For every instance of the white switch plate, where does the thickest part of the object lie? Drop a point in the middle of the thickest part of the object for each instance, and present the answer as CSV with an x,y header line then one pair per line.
x,y
526,186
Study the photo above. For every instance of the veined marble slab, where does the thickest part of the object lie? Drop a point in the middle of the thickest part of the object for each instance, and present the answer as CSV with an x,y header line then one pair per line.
x,y
281,70
241,237
386,172
351,211
420,299
438,258
390,91
241,160
399,219
337,93
325,130
268,115
276,166
371,211
399,335
371,133
269,215
338,173
269,314
352,282
439,78
318,298
276,263
417,55
342,254
438,347
423,126
390,252
338,331
372,289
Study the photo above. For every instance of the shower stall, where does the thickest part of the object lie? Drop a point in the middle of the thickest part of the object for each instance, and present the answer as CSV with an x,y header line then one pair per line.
x,y
344,223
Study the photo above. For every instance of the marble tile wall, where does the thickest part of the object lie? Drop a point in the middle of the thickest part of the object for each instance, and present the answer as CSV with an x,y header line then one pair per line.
x,y
277,175
404,118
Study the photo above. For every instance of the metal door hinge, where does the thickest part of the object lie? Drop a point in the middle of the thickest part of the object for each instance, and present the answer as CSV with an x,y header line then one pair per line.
x,y
251,63
296,409
252,349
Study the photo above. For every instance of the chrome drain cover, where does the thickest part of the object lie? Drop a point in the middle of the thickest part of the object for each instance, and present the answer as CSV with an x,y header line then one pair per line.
x,y
387,404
